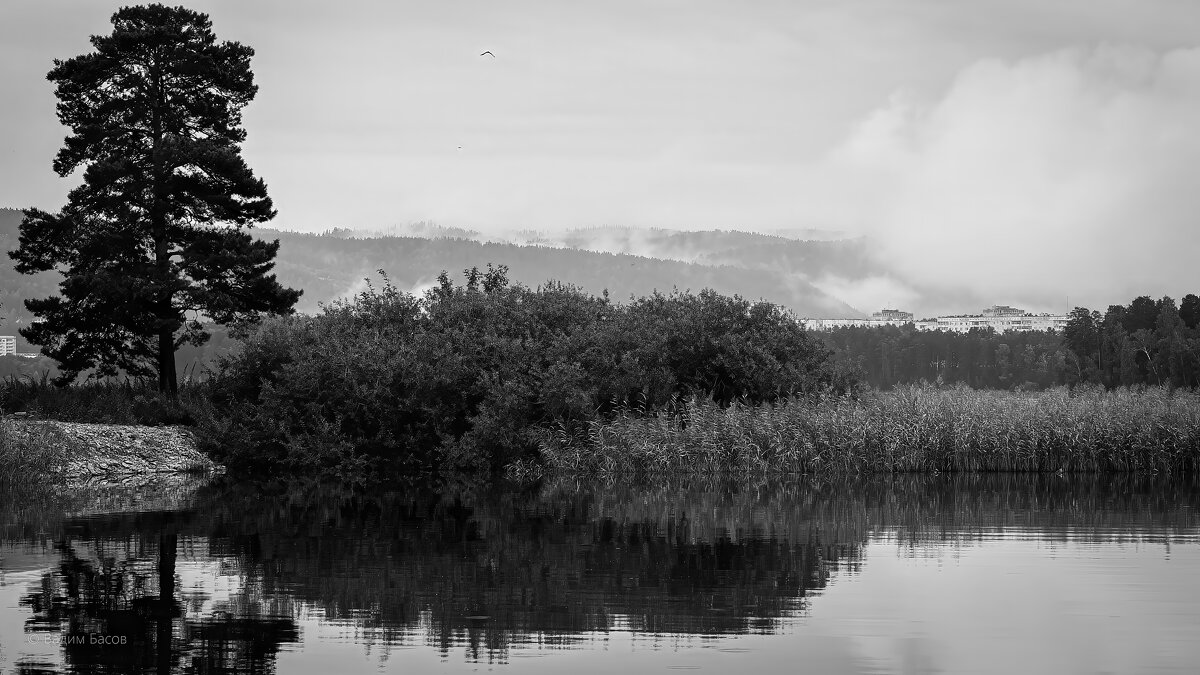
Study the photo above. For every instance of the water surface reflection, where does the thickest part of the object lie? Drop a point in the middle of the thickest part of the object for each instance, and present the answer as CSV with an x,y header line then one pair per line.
x,y
238,578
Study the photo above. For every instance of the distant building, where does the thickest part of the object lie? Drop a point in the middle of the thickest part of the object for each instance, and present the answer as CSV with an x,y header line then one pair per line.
x,y
892,315
8,345
830,324
1003,310
1000,318
884,317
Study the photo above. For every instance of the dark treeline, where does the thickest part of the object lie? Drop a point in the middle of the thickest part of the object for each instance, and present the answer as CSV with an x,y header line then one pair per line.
x,y
887,356
1145,342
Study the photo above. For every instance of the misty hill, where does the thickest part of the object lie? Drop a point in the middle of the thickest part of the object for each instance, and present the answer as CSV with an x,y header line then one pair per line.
x,y
809,259
333,265
811,253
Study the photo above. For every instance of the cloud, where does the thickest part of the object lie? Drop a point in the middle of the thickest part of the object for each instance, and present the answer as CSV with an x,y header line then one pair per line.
x,y
1070,173
869,294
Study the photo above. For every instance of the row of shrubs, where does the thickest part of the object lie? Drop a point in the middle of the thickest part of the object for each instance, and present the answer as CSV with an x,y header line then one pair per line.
x,y
471,376
913,428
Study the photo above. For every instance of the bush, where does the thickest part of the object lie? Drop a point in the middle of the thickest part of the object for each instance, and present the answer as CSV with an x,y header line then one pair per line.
x,y
470,376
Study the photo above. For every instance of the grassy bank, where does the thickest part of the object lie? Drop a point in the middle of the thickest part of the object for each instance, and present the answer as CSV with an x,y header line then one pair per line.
x,y
123,402
30,462
32,456
910,429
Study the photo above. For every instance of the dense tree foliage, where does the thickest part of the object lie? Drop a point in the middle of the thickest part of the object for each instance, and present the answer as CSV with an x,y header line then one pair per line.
x,y
153,237
1189,310
892,355
1145,342
471,375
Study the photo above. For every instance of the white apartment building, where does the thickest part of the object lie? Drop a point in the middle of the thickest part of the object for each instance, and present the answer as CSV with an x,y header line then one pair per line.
x,y
830,324
8,345
1000,318
886,317
892,315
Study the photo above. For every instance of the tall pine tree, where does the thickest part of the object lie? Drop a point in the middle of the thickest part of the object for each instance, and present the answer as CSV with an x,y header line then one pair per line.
x,y
154,239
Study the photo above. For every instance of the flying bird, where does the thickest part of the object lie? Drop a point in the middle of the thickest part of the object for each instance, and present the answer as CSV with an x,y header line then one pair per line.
x,y
488,54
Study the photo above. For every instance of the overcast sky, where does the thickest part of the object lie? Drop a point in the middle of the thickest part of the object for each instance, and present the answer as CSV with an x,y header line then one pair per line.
x,y
1021,148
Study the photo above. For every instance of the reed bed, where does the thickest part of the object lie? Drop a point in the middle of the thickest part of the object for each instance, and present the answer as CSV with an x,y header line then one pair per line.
x,y
910,429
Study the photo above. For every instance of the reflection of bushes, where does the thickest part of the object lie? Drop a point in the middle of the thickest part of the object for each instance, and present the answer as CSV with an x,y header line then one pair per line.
x,y
717,555
554,563
473,376
491,566
909,429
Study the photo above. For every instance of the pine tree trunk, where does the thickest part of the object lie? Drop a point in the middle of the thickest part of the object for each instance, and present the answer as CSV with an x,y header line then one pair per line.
x,y
168,383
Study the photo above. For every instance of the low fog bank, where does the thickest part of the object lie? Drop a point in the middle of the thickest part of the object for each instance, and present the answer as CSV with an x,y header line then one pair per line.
x,y
860,273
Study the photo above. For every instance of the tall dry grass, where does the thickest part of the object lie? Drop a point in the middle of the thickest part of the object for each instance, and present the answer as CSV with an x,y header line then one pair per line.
x,y
32,457
916,428
105,402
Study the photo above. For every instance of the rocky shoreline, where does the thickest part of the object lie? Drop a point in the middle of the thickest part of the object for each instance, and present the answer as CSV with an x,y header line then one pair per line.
x,y
116,453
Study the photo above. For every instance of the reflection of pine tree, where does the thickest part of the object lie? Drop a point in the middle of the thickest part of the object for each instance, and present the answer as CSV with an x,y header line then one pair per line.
x,y
34,668
88,599
118,610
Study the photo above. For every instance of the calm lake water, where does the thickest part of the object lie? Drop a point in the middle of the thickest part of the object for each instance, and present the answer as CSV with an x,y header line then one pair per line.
x,y
955,574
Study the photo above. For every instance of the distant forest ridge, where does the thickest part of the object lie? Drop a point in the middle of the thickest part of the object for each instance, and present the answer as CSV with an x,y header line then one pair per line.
x,y
656,242
333,265
624,261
